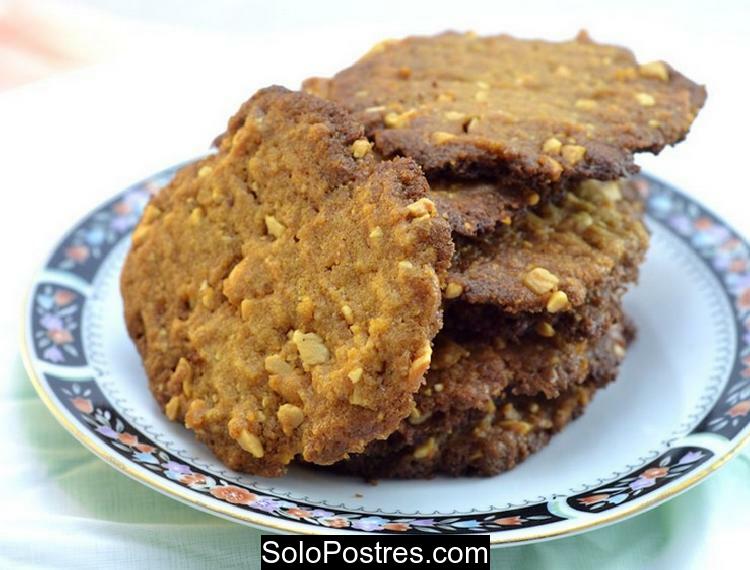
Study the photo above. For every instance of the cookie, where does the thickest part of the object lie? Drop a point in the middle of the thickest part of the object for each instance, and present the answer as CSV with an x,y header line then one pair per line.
x,y
469,430
546,113
474,208
556,260
284,292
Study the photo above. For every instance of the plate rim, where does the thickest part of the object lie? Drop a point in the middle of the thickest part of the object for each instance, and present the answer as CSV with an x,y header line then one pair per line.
x,y
264,521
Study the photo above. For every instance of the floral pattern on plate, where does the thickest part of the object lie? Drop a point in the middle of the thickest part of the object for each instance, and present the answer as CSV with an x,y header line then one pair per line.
x,y
84,399
83,249
673,464
728,256
55,323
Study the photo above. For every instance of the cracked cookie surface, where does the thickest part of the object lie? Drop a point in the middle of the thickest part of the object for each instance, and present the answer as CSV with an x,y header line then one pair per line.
x,y
284,292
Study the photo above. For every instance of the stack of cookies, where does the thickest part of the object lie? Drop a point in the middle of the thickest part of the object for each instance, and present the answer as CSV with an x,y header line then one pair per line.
x,y
414,267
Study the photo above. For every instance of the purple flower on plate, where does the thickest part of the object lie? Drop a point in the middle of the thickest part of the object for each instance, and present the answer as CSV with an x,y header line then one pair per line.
x,y
681,224
691,457
177,467
108,432
369,523
642,483
53,354
121,224
319,513
266,504
423,522
51,322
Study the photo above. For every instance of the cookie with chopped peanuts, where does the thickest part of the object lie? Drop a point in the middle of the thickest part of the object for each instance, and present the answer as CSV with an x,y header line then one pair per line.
x,y
464,428
284,292
557,260
546,113
474,208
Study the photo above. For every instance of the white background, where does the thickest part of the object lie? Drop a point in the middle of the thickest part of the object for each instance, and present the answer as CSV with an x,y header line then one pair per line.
x,y
68,143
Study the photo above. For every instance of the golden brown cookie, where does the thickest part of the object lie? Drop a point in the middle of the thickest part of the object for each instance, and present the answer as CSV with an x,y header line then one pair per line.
x,y
545,113
284,292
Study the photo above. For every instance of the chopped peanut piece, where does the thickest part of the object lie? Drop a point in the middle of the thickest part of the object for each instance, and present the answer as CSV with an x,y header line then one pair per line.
x,y
453,290
172,409
361,147
440,137
557,302
545,329
552,146
250,443
573,153
426,450
274,226
540,280
290,417
421,362
311,349
422,207
275,364
654,70
645,99
346,310
355,375
454,115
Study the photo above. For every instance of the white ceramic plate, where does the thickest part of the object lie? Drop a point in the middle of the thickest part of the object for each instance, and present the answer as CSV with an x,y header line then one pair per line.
x,y
679,410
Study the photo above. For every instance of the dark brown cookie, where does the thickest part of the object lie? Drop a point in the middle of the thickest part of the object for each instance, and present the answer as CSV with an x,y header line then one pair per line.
x,y
555,262
476,207
284,292
545,113
470,431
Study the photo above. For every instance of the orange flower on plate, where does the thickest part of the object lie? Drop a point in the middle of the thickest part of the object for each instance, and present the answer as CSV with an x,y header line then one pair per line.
x,y
122,208
301,513
739,409
83,405
193,479
78,253
703,223
655,472
743,301
144,448
60,336
128,439
63,297
234,495
398,527
337,522
590,500
513,521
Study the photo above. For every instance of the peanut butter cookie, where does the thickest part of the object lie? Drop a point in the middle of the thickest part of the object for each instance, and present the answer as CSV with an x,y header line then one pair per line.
x,y
284,292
